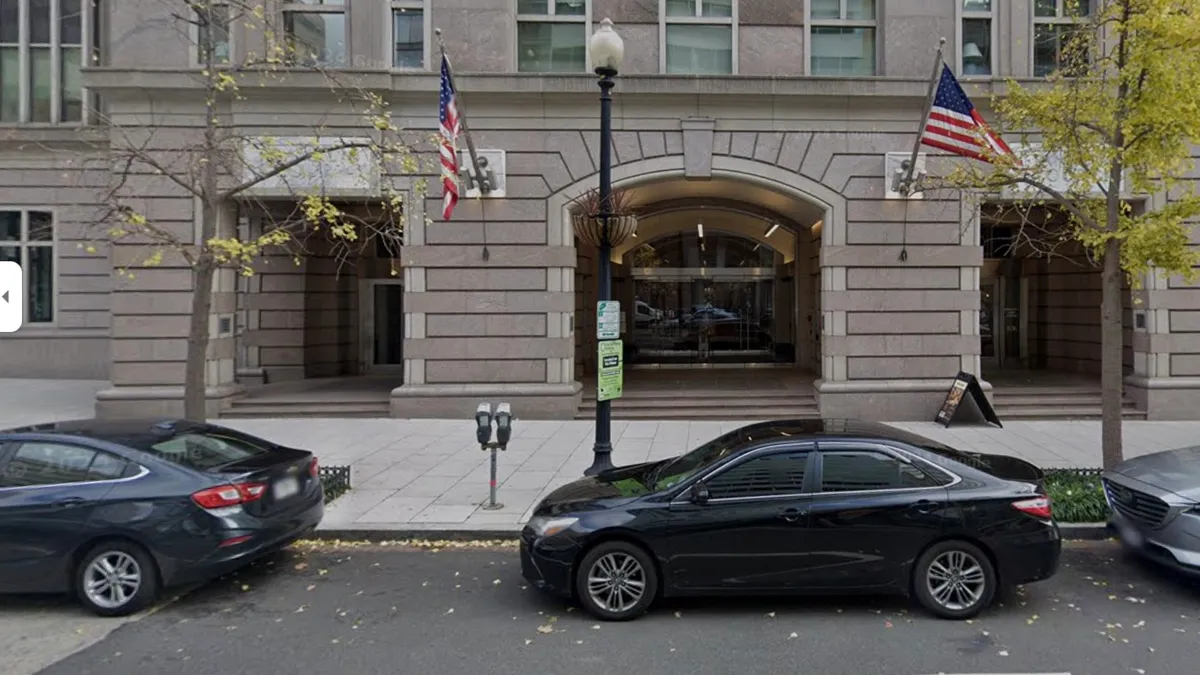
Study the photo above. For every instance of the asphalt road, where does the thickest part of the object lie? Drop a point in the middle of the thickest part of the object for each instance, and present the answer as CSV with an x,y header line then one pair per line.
x,y
369,610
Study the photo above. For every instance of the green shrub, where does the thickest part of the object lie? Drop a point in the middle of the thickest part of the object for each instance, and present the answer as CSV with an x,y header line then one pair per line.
x,y
1077,496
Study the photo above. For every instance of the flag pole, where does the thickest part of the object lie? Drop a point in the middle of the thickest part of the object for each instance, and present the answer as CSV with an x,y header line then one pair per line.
x,y
938,63
480,179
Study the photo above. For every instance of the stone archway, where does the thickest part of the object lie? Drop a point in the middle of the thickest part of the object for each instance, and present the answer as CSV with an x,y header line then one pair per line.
x,y
768,188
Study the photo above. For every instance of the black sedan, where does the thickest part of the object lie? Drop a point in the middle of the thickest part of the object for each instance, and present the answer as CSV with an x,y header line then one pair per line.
x,y
115,511
806,506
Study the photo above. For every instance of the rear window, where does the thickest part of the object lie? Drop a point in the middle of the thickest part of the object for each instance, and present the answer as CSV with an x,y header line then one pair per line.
x,y
203,451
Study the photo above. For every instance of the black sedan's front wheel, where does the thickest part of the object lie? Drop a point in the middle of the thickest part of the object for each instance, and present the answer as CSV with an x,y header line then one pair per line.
x,y
954,580
616,581
116,578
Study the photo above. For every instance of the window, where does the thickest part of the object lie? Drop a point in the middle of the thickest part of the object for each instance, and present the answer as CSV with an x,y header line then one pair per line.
x,y
777,474
215,20
316,32
854,470
975,38
204,451
27,238
408,34
842,38
54,464
1055,25
552,36
42,43
699,35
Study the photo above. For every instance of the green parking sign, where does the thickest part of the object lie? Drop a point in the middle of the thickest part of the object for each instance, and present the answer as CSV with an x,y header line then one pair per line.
x,y
610,382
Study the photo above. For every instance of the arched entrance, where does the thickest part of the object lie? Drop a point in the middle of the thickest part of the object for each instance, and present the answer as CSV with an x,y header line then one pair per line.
x,y
724,273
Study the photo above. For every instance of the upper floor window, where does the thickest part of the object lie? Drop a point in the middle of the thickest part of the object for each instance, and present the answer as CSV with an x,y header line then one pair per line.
x,y
700,36
552,36
975,53
315,31
42,47
27,238
408,34
212,22
842,37
1055,25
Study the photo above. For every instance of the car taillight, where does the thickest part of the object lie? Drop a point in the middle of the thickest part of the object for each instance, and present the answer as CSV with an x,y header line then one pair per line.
x,y
229,495
1038,507
314,469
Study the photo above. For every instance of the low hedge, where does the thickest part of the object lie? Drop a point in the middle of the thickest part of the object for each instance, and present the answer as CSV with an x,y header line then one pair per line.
x,y
1077,495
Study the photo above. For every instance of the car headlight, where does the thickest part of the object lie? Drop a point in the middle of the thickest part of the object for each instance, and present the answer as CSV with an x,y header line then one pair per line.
x,y
544,526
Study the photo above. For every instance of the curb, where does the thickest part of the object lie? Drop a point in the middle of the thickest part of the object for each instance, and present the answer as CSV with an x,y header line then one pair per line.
x,y
1086,531
1070,532
431,534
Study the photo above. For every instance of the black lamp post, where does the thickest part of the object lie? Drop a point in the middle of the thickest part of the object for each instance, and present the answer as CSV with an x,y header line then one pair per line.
x,y
607,50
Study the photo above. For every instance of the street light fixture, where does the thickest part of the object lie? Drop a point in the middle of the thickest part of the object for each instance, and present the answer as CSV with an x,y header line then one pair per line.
x,y
607,50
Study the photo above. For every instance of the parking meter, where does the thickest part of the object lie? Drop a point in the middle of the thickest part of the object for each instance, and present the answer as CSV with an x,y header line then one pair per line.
x,y
483,423
503,424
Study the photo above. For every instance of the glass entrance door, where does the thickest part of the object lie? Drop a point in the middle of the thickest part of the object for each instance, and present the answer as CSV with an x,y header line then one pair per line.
x,y
704,321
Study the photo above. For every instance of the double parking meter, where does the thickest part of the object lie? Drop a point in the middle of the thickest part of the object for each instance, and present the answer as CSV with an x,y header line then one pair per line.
x,y
503,420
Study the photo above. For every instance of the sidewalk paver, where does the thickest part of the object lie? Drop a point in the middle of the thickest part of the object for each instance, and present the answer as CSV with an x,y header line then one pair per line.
x,y
430,475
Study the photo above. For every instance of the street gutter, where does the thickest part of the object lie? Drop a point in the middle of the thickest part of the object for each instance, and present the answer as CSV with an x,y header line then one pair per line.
x,y
1070,532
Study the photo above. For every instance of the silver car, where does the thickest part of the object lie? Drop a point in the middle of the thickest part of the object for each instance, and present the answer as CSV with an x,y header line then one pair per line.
x,y
1155,504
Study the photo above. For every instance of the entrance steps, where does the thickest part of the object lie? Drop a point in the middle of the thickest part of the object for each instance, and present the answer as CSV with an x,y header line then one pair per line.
x,y
304,406
1054,402
710,404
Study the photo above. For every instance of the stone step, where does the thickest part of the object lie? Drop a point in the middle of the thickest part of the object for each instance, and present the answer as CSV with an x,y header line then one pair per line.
x,y
251,408
589,393
706,414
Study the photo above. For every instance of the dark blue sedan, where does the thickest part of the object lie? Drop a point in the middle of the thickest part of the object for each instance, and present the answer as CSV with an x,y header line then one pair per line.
x,y
115,511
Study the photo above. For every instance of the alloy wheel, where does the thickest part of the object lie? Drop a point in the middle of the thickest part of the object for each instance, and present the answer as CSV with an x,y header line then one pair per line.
x,y
112,579
956,580
616,582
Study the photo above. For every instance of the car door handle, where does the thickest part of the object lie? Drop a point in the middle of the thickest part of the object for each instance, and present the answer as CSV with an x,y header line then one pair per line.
x,y
792,515
69,502
924,506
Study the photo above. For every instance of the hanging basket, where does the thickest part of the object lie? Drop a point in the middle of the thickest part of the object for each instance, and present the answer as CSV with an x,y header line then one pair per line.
x,y
590,229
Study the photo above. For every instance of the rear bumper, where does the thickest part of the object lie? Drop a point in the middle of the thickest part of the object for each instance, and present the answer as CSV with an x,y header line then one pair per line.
x,y
1027,558
268,537
547,563
1176,545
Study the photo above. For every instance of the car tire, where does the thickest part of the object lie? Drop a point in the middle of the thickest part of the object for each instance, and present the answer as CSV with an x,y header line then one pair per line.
x,y
967,570
116,578
609,576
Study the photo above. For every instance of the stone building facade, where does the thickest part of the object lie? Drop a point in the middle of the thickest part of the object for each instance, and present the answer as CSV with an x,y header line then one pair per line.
x,y
777,122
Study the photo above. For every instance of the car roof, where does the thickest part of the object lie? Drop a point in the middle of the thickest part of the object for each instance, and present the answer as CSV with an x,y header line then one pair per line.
x,y
816,429
118,431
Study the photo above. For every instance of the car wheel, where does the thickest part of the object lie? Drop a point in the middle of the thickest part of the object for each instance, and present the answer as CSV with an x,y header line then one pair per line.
x,y
954,580
616,581
116,578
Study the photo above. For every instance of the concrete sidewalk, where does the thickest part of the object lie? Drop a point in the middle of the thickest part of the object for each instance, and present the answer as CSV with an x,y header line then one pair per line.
x,y
430,475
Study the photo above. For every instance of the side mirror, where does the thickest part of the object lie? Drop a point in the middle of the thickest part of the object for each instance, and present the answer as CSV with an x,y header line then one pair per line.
x,y
700,494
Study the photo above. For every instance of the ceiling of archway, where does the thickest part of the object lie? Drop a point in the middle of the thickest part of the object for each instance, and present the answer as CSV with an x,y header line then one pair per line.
x,y
804,214
715,221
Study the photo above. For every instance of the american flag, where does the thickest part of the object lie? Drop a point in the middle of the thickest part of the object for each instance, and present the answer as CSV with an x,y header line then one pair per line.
x,y
448,122
954,125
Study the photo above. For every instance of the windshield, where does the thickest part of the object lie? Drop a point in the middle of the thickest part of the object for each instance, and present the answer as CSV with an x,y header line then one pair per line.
x,y
203,451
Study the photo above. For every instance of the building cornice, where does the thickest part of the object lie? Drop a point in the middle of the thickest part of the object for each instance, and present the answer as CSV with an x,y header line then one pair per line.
x,y
117,81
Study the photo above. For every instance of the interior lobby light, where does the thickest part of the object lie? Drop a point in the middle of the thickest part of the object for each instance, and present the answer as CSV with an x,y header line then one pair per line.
x,y
771,231
700,229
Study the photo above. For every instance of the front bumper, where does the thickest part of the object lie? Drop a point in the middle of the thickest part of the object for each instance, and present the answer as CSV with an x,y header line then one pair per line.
x,y
1175,545
269,537
547,563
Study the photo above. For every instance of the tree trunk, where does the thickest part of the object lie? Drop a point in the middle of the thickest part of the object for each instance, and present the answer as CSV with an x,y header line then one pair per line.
x,y
1112,344
195,400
